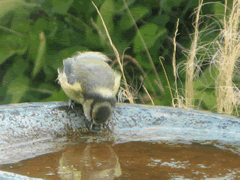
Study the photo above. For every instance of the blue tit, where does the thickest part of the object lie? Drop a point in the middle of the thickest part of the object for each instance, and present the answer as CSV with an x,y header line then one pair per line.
x,y
88,79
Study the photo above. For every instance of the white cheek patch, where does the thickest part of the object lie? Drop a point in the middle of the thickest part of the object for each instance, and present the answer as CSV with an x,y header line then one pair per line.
x,y
87,108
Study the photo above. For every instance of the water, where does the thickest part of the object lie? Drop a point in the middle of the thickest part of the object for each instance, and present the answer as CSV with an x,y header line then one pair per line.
x,y
132,160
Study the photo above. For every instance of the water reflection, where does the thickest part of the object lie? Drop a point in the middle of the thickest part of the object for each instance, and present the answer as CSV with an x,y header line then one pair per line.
x,y
96,161
132,160
79,162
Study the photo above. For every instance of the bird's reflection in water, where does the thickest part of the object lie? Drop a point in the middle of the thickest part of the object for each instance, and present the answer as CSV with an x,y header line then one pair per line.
x,y
96,161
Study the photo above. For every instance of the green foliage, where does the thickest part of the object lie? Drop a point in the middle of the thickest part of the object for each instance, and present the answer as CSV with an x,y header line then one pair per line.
x,y
204,88
9,5
150,34
167,5
17,88
61,6
37,35
218,9
106,10
137,13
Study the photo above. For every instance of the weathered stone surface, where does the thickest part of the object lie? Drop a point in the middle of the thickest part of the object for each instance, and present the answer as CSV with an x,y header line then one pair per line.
x,y
31,129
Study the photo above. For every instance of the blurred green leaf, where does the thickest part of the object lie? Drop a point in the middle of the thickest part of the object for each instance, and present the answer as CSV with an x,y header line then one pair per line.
x,y
207,78
52,28
50,73
37,45
58,96
149,34
143,60
120,7
11,44
204,87
21,21
5,54
64,54
167,5
161,20
34,38
137,13
106,10
44,88
46,5
218,9
40,55
42,91
208,98
17,88
61,6
17,69
68,36
89,34
9,5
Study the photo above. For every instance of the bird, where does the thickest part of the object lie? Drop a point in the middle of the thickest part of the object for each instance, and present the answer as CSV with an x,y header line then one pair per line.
x,y
87,78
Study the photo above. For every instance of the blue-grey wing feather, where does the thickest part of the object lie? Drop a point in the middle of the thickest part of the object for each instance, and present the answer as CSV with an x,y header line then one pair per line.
x,y
90,75
68,69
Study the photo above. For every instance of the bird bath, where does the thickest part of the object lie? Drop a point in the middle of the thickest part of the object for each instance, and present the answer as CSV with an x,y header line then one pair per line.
x,y
49,141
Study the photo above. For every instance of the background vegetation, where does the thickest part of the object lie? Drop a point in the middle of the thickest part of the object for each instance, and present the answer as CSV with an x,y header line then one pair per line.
x,y
36,35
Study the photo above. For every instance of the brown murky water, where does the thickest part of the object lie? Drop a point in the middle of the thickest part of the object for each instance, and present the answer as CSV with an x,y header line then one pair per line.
x,y
133,160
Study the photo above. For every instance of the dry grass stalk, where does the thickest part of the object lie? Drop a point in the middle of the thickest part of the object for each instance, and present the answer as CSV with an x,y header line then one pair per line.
x,y
128,93
134,61
165,73
145,46
178,98
229,51
189,85
145,89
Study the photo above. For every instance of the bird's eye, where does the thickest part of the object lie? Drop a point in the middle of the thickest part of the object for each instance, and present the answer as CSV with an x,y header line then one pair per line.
x,y
102,115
